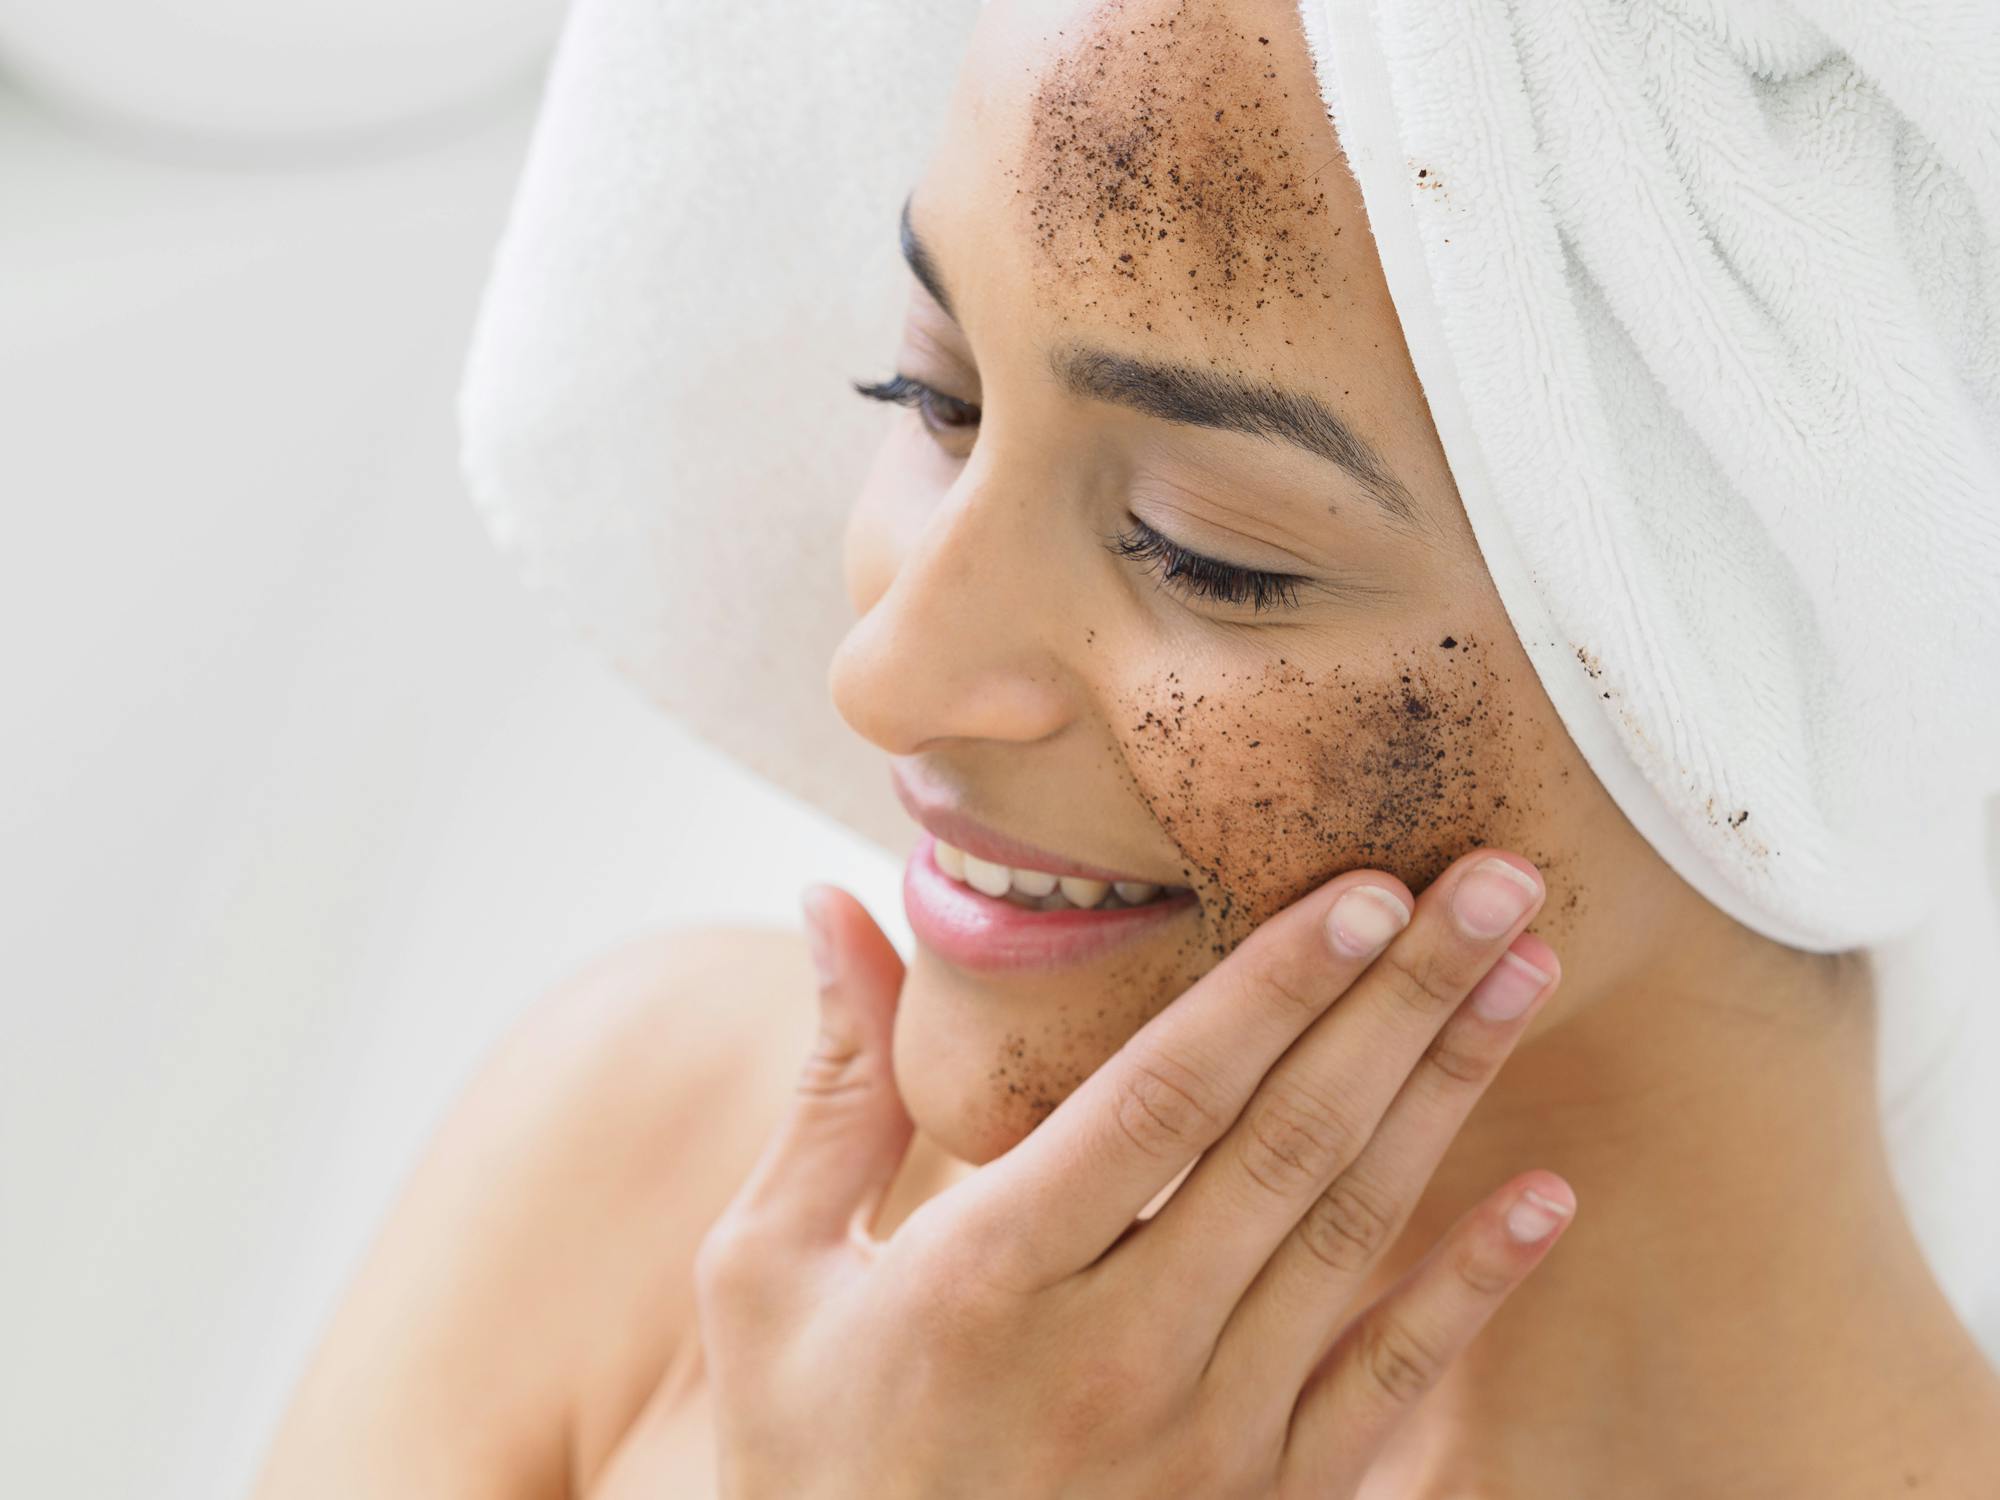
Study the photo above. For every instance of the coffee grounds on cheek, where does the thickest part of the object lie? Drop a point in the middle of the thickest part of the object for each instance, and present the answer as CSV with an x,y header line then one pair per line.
x,y
1272,783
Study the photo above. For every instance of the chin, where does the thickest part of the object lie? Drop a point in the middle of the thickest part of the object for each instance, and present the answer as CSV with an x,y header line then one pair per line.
x,y
982,1060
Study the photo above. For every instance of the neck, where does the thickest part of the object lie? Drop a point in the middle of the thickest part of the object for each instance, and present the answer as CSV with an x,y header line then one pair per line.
x,y
1740,1306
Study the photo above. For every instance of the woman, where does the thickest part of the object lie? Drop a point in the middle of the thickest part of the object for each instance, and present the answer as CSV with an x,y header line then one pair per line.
x,y
1162,583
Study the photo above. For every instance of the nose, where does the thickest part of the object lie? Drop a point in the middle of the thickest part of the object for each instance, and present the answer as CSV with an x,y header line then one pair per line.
x,y
963,642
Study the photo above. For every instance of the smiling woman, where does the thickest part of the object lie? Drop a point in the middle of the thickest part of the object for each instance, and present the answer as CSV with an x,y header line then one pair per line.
x,y
1143,580
1264,815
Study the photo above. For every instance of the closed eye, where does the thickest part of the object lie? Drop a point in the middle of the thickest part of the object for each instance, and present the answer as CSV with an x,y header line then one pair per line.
x,y
1193,573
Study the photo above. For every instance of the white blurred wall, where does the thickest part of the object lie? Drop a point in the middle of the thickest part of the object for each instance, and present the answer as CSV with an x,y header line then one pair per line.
x,y
302,798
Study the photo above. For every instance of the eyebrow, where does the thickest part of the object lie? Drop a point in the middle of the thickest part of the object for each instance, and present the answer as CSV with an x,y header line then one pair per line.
x,y
918,256
1229,403
1203,398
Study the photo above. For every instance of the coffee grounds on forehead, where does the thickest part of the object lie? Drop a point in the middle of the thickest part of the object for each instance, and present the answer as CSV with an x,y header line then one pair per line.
x,y
1162,154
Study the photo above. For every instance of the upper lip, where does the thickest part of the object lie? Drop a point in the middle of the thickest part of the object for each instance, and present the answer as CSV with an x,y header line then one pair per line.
x,y
946,822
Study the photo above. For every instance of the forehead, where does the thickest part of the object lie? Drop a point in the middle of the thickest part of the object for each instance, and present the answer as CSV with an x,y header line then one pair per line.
x,y
1160,166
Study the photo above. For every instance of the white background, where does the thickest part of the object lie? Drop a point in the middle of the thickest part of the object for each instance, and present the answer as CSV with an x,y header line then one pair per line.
x,y
304,798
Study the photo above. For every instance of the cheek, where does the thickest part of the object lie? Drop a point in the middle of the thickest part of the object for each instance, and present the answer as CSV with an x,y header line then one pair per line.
x,y
1270,778
1275,778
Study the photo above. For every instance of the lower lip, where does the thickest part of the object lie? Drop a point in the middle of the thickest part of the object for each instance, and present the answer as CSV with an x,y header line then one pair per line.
x,y
972,930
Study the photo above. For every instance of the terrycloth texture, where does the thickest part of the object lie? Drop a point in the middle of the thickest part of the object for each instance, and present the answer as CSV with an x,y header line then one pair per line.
x,y
657,423
1705,306
1711,298
1705,300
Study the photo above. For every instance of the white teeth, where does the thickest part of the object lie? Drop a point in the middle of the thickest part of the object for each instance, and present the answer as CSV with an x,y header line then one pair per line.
x,y
1035,886
1033,882
1081,892
987,879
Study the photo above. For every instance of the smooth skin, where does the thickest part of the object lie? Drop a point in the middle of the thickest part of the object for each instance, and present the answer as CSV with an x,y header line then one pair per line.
x,y
1008,1338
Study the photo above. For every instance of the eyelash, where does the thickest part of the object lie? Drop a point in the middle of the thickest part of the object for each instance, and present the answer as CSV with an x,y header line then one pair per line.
x,y
1205,576
1190,572
939,411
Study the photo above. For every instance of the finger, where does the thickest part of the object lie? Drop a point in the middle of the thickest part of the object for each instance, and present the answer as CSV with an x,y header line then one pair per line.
x,y
1395,1353
831,1160
1313,1116
1281,1329
1060,1197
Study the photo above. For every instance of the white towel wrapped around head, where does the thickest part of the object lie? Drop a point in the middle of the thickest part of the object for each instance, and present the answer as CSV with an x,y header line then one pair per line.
x,y
1704,304
1704,297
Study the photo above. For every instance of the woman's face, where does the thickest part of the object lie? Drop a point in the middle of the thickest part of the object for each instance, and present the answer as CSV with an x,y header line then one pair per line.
x,y
1147,328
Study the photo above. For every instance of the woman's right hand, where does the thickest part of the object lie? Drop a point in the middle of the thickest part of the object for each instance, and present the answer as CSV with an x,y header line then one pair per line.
x,y
1023,1333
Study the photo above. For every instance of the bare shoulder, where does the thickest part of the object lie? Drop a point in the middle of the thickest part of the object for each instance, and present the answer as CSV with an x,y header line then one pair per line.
x,y
533,1281
691,1028
657,1074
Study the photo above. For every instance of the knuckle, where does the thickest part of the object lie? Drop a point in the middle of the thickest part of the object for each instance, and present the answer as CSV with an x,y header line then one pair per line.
x,y
1479,1270
1096,1393
1347,1227
1397,1361
1292,1142
1426,980
1283,982
1164,1109
837,1066
1111,1381
1471,1066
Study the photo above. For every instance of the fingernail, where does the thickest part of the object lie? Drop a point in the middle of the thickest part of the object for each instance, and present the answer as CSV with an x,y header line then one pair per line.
x,y
1491,897
1364,919
1533,1216
812,903
1509,988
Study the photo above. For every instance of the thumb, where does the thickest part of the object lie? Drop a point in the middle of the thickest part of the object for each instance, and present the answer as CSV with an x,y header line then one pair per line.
x,y
829,1165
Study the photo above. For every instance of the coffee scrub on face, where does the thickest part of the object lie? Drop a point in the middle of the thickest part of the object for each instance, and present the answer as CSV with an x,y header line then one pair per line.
x,y
1165,153
1272,782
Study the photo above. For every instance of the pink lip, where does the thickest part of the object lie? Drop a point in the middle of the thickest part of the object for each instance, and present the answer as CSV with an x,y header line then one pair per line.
x,y
956,829
975,931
